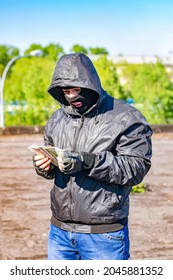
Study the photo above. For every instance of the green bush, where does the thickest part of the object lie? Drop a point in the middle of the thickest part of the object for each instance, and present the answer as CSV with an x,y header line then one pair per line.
x,y
140,188
148,85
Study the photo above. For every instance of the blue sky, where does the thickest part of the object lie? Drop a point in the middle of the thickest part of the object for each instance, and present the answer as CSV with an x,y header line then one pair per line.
x,y
129,27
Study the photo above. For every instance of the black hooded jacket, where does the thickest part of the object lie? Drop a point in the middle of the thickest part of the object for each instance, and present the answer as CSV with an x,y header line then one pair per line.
x,y
116,132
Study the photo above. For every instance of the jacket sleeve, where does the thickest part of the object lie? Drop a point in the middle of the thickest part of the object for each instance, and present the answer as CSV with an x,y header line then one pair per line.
x,y
130,159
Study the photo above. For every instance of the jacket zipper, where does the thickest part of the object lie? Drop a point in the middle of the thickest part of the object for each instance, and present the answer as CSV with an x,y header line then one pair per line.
x,y
72,187
78,131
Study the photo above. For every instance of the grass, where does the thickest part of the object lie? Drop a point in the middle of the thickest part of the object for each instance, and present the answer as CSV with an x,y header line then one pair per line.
x,y
140,188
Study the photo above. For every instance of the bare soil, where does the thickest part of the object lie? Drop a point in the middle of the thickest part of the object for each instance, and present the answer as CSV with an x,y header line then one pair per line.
x,y
25,210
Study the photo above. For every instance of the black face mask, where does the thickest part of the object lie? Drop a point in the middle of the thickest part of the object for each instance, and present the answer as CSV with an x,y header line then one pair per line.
x,y
87,97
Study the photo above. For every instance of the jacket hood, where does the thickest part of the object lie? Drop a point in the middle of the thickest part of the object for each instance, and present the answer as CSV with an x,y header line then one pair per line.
x,y
74,70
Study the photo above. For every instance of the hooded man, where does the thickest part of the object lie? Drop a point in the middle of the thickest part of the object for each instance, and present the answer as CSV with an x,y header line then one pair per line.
x,y
110,151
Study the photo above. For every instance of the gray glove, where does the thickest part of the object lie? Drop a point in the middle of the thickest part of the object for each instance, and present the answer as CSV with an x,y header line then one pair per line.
x,y
78,161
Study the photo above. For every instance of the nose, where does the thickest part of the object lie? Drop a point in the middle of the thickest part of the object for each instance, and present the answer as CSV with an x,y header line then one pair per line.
x,y
71,94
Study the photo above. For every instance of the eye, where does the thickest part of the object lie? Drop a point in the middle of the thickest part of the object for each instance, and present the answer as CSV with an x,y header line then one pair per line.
x,y
66,91
77,90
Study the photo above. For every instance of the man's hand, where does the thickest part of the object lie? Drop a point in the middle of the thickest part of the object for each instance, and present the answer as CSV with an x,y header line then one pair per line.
x,y
42,162
70,164
76,162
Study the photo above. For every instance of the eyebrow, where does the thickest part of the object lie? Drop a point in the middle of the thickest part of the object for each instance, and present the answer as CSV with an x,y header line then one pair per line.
x,y
64,89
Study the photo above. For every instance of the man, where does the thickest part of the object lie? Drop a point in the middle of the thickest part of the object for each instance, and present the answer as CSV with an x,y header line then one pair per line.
x,y
110,143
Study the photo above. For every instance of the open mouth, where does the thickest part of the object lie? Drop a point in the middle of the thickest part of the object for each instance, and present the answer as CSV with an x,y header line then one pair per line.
x,y
76,104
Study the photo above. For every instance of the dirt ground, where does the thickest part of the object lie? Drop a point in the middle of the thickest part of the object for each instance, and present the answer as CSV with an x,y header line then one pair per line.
x,y
25,212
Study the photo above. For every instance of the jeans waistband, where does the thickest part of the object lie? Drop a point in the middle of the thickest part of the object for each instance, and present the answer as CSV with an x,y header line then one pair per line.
x,y
83,228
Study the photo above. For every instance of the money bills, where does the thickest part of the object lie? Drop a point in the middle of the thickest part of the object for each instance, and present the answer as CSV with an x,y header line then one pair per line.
x,y
50,152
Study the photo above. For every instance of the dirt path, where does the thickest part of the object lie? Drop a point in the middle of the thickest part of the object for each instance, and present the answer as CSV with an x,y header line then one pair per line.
x,y
25,213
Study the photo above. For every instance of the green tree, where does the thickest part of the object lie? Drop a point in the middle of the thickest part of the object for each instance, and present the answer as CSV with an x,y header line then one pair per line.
x,y
79,48
98,50
26,86
6,54
53,51
127,73
108,75
153,93
33,47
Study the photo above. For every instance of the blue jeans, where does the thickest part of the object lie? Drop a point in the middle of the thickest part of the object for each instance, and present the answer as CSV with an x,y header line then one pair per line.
x,y
64,245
